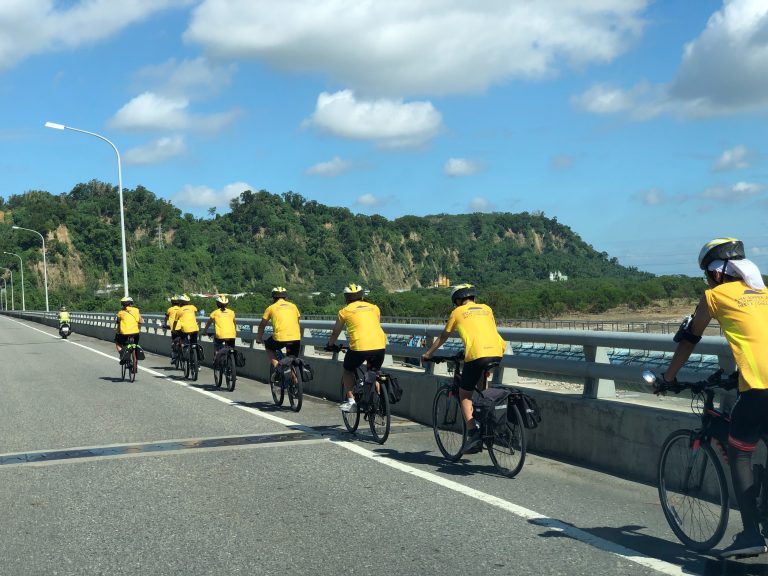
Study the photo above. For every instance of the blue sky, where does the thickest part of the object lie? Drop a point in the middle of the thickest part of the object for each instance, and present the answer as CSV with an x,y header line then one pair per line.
x,y
641,125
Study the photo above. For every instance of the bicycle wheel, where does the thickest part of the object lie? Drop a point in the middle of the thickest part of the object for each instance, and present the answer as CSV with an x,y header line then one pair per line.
x,y
351,419
379,418
507,446
448,423
231,372
276,386
692,490
194,364
133,365
295,390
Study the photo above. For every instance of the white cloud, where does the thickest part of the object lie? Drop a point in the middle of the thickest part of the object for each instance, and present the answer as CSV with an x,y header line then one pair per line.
x,y
722,71
402,47
333,167
206,197
652,197
193,79
389,123
157,151
368,200
759,250
480,204
461,167
150,111
562,162
30,27
738,191
732,159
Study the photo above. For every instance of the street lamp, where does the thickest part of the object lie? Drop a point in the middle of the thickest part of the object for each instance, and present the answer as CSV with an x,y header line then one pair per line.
x,y
56,126
5,290
13,303
45,264
21,267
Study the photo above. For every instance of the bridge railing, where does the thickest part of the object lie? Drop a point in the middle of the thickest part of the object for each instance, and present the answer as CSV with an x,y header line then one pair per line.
x,y
584,355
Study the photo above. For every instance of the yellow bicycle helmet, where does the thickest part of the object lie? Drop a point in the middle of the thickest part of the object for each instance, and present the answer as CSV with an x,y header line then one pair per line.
x,y
462,292
222,299
721,249
279,292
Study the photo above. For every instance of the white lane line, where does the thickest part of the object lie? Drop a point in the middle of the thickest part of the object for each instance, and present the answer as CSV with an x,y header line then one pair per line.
x,y
525,513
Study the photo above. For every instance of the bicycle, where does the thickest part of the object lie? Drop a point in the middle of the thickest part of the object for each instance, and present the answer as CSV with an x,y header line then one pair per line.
x,y
692,484
129,359
190,358
178,360
286,377
224,367
505,441
372,397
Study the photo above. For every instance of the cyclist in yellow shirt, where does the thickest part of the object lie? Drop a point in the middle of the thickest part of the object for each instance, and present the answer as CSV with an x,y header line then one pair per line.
x,y
186,320
482,346
63,316
127,323
223,319
284,316
367,341
170,319
737,298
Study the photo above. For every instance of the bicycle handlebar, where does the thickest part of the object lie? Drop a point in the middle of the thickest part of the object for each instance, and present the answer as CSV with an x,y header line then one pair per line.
x,y
715,380
458,357
336,348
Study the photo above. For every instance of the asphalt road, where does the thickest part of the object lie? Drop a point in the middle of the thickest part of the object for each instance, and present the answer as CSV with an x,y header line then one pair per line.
x,y
163,476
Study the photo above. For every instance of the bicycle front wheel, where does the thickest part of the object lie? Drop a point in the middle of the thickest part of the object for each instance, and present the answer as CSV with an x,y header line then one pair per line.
x,y
218,374
448,424
692,490
379,418
194,364
231,372
507,445
295,389
123,367
351,419
276,386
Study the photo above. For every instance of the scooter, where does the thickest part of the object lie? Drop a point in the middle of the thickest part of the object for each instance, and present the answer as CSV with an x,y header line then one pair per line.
x,y
64,330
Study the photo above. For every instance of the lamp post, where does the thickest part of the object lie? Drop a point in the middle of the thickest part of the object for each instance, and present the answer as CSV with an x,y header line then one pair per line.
x,y
45,264
5,291
13,302
21,267
56,126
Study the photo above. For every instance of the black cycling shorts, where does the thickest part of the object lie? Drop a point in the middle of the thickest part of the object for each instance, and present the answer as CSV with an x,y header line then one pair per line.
x,y
122,339
219,342
176,334
292,347
355,358
473,371
191,337
749,419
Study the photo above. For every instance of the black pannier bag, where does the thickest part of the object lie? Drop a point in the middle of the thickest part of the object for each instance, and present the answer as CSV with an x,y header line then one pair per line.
x,y
528,408
394,389
305,370
140,353
239,359
491,406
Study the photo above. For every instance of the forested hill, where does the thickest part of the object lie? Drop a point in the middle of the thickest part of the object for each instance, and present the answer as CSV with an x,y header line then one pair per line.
x,y
270,239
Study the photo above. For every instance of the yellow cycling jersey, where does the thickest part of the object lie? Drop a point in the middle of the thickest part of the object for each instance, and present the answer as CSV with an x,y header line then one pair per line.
x,y
224,321
186,319
477,329
743,315
170,314
363,326
285,320
128,319
63,316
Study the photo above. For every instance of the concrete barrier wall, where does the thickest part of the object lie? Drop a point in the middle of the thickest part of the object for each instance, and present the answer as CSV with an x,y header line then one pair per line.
x,y
617,437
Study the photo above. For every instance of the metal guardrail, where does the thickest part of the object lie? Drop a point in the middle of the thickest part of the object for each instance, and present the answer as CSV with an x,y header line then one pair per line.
x,y
593,346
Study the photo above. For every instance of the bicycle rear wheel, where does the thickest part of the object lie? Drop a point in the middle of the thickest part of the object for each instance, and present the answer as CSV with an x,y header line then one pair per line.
x,y
218,373
448,424
507,445
123,366
351,419
379,418
276,387
231,372
134,364
194,363
295,389
693,490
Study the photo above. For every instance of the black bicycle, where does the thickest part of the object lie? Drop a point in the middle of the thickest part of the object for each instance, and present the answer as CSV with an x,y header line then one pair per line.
x,y
286,377
190,354
692,484
129,359
372,400
176,353
503,434
225,367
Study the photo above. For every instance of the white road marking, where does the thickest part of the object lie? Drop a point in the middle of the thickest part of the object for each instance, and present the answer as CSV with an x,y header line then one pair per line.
x,y
525,513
